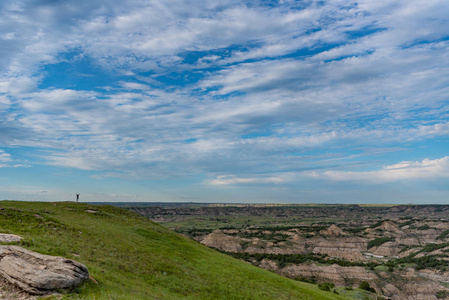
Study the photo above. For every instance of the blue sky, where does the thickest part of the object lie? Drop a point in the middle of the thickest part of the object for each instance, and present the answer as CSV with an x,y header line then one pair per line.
x,y
225,101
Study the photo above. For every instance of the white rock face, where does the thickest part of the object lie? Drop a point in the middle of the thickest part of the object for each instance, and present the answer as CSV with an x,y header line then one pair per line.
x,y
40,274
9,238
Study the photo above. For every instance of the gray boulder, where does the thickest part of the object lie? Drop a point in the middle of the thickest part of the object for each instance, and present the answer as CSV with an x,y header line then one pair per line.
x,y
40,274
9,238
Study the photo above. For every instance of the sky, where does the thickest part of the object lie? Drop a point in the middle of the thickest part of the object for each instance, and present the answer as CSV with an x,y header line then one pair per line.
x,y
225,101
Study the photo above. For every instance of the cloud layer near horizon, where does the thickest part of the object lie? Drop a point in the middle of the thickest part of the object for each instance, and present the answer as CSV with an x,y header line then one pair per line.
x,y
230,93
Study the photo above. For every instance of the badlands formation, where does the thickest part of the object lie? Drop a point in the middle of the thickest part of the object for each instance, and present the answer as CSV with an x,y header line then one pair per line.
x,y
401,251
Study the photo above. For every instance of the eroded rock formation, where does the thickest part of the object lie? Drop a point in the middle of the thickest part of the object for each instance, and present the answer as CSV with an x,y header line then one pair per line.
x,y
223,242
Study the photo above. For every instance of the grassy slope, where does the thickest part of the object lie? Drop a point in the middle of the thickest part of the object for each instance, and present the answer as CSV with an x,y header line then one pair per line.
x,y
133,258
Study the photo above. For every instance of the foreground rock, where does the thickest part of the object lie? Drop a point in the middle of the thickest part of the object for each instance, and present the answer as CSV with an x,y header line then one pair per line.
x,y
40,274
10,291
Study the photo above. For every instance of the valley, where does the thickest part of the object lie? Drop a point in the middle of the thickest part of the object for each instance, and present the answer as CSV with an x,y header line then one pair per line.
x,y
401,252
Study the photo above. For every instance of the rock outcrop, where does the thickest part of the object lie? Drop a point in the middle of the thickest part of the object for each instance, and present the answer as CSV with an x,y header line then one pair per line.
x,y
223,242
386,249
333,273
40,274
349,248
389,226
10,291
333,230
9,238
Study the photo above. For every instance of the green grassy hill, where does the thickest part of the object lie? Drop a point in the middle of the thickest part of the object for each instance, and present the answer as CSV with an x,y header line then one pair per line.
x,y
134,258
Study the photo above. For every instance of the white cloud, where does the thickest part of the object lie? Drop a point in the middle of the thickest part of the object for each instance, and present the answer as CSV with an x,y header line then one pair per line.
x,y
406,170
4,157
7,162
432,130
232,180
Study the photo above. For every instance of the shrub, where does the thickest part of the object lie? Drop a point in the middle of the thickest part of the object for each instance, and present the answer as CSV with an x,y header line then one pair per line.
x,y
306,279
326,286
379,241
364,285
377,224
442,294
355,229
432,247
424,227
443,235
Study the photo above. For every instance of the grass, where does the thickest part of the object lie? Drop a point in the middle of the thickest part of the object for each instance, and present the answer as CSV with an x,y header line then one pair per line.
x,y
134,258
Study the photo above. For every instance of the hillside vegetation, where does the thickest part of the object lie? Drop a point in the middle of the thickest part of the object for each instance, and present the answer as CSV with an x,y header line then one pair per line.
x,y
134,258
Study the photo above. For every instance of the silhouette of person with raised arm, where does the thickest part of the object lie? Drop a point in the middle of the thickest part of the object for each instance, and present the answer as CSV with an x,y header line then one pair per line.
x,y
77,197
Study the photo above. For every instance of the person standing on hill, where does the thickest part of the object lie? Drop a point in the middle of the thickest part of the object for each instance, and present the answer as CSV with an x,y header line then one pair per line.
x,y
77,197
